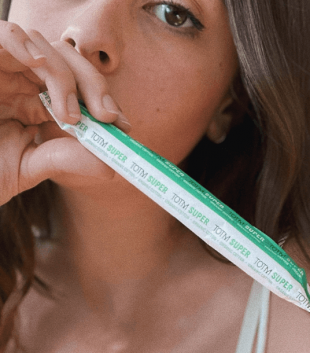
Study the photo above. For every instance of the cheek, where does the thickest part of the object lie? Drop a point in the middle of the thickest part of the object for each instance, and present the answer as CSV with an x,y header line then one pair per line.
x,y
170,114
170,103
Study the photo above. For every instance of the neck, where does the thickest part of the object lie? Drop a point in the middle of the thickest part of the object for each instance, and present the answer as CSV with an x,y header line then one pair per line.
x,y
123,245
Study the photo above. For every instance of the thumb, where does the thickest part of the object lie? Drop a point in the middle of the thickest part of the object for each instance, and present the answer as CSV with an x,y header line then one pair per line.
x,y
63,160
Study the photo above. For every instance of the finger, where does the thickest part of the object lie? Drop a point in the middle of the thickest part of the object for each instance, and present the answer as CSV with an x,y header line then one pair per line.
x,y
59,158
9,63
14,139
31,76
29,110
19,45
93,87
59,80
26,108
16,83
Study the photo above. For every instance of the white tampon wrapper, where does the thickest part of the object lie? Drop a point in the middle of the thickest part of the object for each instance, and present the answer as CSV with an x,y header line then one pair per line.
x,y
206,216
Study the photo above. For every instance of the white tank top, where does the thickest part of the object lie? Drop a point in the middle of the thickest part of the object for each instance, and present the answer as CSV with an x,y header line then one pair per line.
x,y
255,321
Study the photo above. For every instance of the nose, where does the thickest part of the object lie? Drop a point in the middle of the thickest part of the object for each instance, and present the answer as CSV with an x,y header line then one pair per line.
x,y
95,32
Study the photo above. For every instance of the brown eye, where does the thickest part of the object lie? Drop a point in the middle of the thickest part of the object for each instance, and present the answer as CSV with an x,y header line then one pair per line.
x,y
174,16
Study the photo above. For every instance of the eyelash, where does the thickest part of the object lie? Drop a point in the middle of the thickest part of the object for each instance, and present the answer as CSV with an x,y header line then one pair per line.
x,y
196,23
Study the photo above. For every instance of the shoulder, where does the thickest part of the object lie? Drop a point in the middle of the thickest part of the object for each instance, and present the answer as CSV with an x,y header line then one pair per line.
x,y
289,327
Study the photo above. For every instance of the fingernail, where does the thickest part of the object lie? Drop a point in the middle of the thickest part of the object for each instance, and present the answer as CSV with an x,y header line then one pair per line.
x,y
110,105
123,119
123,124
73,106
33,50
38,139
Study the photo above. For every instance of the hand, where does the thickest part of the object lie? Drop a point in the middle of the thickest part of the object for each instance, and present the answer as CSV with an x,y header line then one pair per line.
x,y
28,66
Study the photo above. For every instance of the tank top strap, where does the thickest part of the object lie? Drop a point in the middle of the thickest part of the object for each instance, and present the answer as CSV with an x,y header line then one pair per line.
x,y
255,320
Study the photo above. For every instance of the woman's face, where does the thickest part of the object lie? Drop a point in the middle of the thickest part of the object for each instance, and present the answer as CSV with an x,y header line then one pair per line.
x,y
170,63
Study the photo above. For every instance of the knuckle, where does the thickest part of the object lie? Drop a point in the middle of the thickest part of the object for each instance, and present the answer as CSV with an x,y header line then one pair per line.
x,y
10,131
65,77
33,34
12,125
12,28
61,74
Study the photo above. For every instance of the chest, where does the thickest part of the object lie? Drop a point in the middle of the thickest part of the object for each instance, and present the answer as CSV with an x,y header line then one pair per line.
x,y
196,314
181,324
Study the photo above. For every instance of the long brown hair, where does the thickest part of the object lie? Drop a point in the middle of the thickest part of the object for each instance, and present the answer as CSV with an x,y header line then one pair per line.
x,y
261,170
274,55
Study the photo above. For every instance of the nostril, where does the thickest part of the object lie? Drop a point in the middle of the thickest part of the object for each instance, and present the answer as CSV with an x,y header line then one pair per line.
x,y
71,42
104,57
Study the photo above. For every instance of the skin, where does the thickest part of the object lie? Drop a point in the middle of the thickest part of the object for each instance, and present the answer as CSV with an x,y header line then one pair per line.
x,y
130,270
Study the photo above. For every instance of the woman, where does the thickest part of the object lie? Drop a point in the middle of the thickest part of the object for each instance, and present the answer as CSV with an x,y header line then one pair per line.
x,y
218,89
